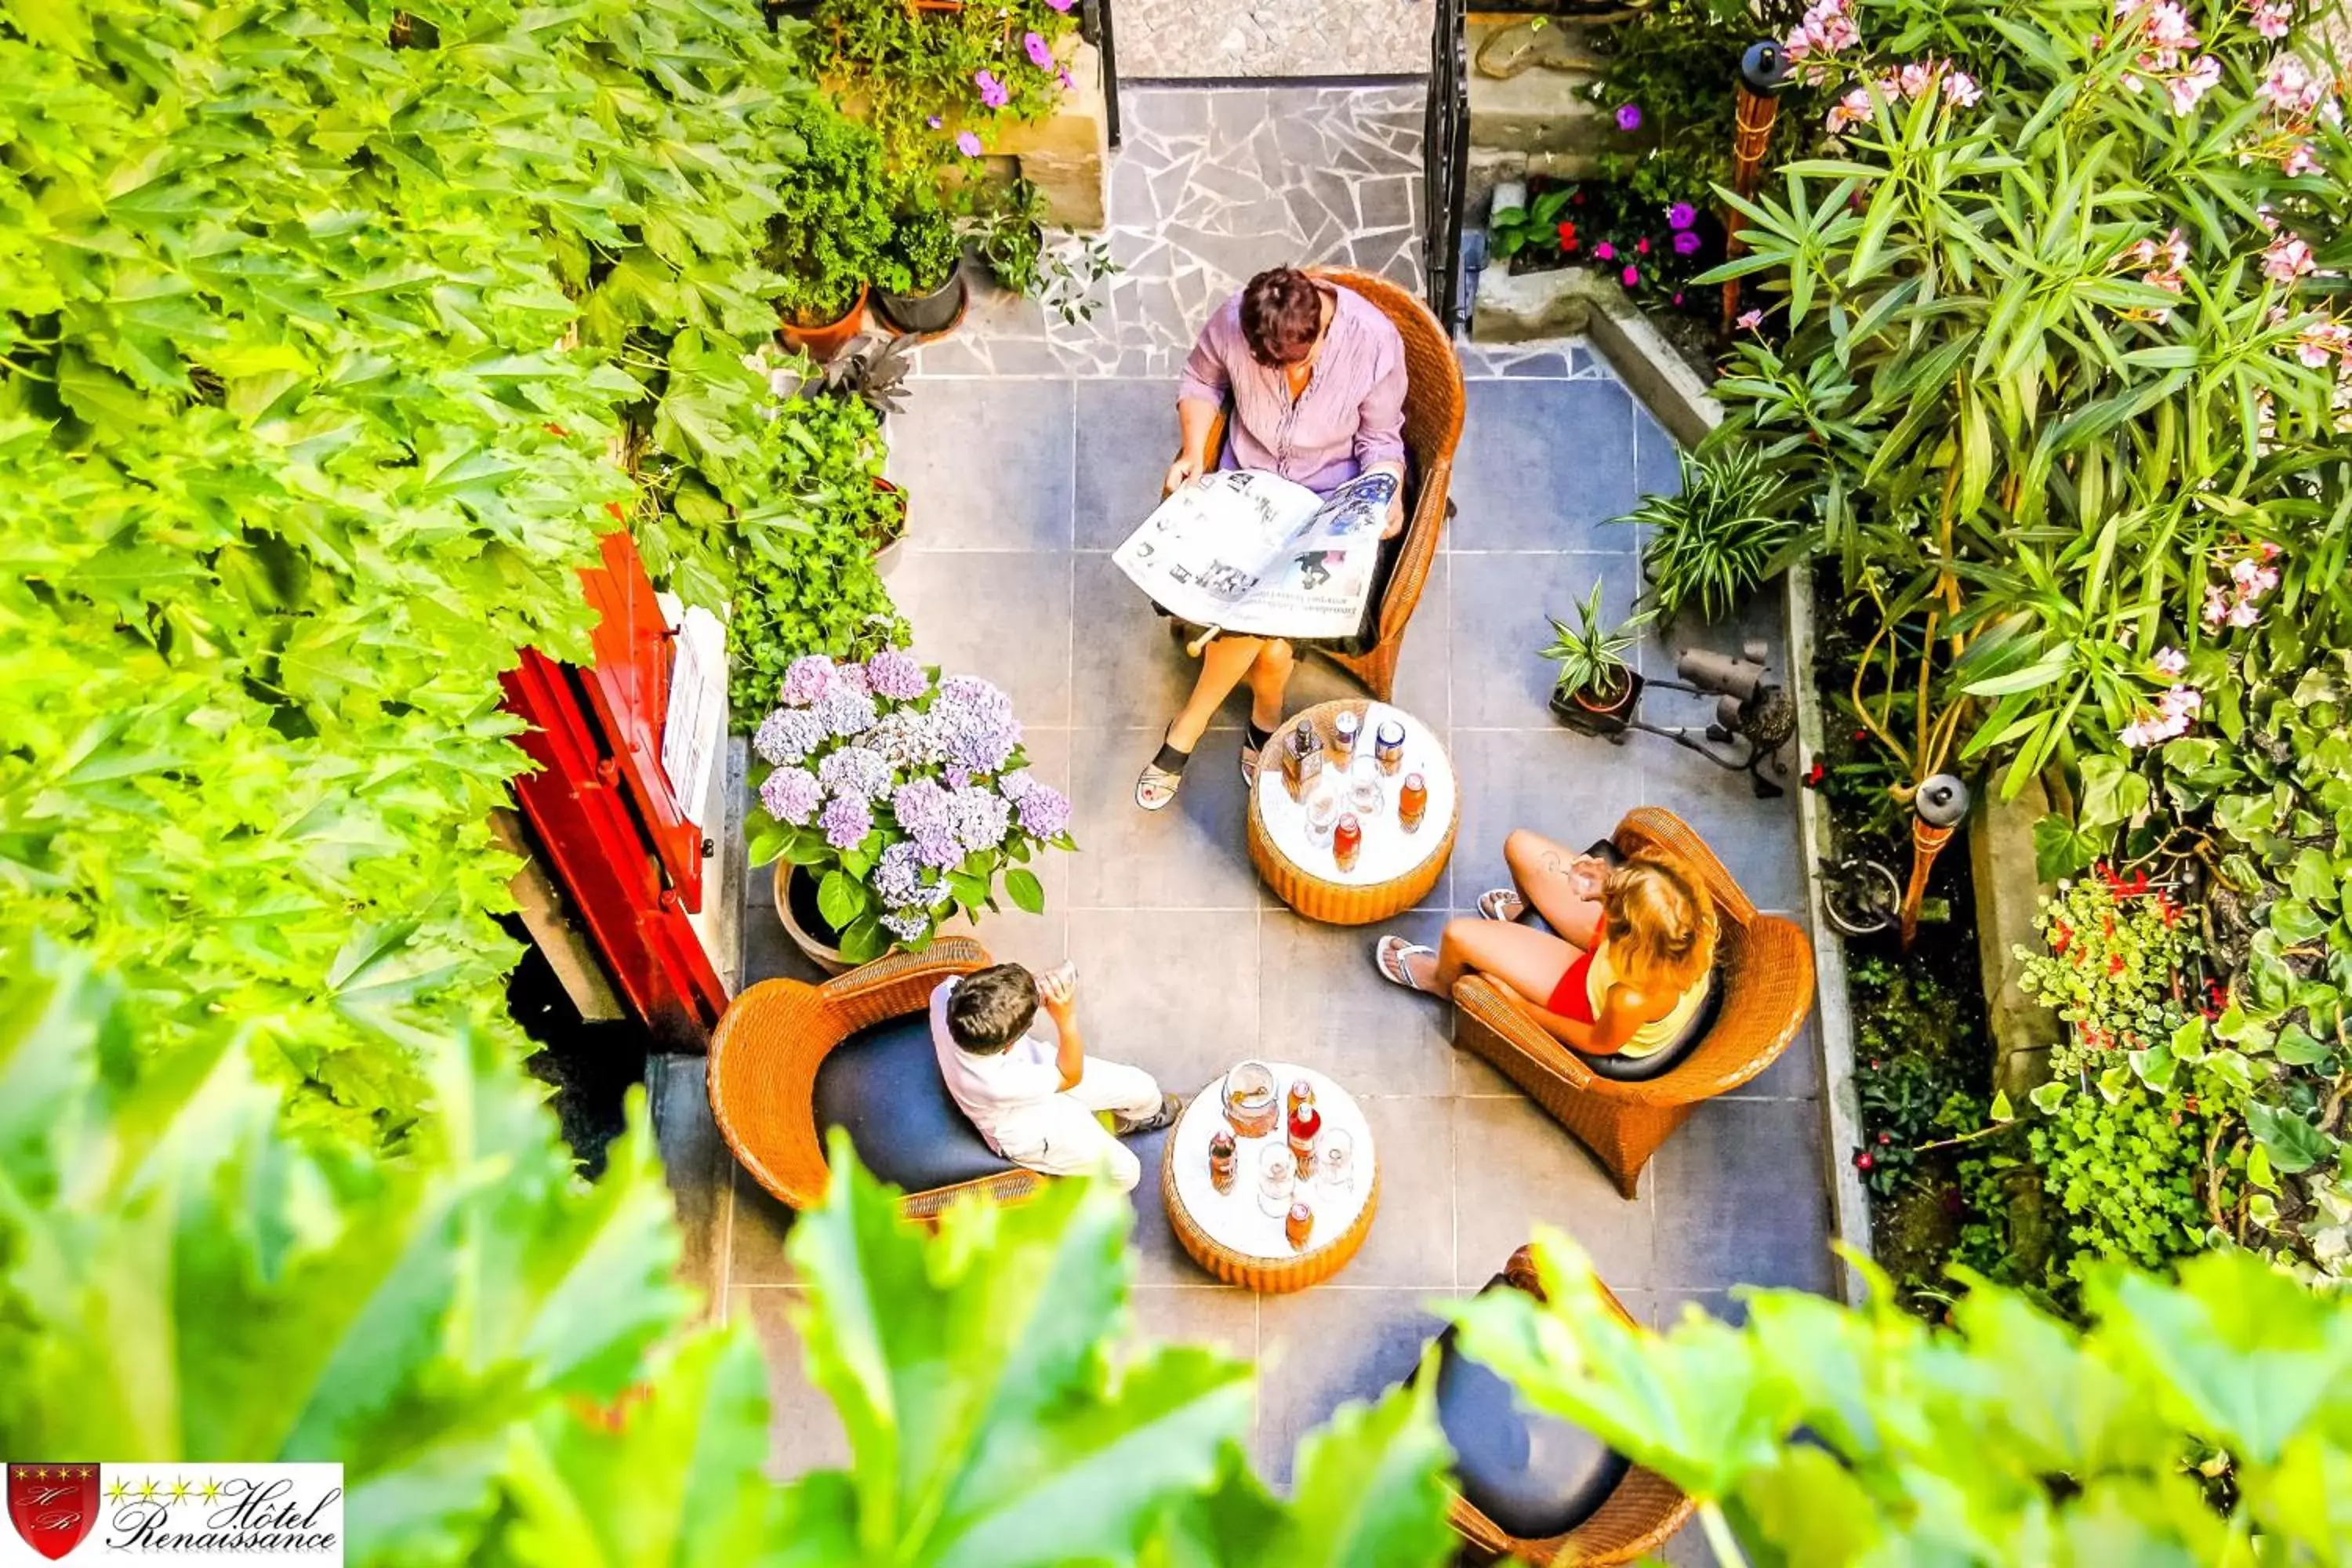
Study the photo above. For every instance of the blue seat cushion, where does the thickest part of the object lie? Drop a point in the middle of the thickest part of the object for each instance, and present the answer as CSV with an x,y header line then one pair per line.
x,y
1640,1069
883,1085
1533,1474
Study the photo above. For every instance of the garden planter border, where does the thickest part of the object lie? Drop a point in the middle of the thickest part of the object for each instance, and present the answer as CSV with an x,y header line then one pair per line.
x,y
1678,398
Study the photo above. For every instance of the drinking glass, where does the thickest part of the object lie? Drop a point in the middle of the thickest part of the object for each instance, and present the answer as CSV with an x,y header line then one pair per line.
x,y
1277,1171
1335,1161
1251,1105
1322,816
1364,796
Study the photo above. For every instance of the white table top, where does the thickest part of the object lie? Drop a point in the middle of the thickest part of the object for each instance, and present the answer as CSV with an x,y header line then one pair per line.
x,y
1234,1220
1389,851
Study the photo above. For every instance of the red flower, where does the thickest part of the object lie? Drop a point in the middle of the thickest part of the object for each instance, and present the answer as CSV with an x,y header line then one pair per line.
x,y
2115,963
1567,232
1862,734
1885,1139
2064,938
1863,1161
1815,774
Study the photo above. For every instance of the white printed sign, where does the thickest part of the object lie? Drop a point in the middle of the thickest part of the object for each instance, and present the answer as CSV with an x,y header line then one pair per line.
x,y
83,1512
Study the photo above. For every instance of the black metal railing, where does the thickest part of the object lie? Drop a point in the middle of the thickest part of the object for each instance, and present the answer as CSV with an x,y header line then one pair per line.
x,y
1094,26
1445,160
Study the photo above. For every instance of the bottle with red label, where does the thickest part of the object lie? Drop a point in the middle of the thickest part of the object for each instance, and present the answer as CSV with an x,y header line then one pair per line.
x,y
1306,1122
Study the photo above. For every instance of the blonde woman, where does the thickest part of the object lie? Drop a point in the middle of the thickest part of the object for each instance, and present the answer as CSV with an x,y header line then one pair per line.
x,y
1625,976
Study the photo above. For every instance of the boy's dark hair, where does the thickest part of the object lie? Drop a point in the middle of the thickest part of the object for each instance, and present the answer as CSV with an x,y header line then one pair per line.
x,y
990,1009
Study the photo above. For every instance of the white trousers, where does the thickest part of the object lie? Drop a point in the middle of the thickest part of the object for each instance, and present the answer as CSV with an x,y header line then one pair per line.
x,y
1060,1137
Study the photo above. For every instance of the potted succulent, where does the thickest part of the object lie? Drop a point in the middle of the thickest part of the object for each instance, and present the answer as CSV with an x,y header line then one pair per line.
x,y
897,801
826,235
1595,690
918,283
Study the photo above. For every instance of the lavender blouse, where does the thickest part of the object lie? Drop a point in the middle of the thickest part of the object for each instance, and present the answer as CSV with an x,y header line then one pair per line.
x,y
1350,415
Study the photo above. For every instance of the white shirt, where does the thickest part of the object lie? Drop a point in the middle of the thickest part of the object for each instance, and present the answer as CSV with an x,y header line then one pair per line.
x,y
994,1089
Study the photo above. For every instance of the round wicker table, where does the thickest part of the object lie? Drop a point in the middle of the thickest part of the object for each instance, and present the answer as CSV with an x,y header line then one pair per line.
x,y
1395,869
1228,1233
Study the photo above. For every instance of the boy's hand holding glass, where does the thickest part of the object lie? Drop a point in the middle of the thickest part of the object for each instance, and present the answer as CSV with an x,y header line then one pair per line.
x,y
1058,988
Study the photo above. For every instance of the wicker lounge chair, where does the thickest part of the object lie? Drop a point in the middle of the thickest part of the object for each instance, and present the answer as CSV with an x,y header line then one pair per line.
x,y
1433,403
1766,973
1632,1518
781,1076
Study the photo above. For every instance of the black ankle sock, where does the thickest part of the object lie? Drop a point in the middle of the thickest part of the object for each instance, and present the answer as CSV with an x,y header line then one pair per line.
x,y
1171,760
1259,734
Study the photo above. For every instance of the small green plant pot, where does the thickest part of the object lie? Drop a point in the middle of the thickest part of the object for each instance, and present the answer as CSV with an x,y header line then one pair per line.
x,y
1604,716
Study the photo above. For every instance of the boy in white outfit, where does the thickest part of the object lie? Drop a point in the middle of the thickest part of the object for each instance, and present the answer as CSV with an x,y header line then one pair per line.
x,y
1033,1098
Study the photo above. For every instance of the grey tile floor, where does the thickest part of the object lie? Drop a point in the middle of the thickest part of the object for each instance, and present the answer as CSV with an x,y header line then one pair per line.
x,y
1020,485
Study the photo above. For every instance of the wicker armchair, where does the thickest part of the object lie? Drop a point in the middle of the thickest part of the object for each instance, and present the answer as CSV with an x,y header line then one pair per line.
x,y
1768,967
1633,1521
1433,403
763,1068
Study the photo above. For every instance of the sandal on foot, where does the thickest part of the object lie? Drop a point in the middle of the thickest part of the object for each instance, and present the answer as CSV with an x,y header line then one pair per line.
x,y
1162,778
1253,744
1495,901
1390,956
1170,1107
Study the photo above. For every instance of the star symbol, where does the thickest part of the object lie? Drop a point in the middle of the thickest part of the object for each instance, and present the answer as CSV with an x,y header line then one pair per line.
x,y
209,1491
148,1490
118,1491
179,1491
42,1474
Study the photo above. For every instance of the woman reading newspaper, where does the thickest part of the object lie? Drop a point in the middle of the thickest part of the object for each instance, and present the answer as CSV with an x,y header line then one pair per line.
x,y
1315,378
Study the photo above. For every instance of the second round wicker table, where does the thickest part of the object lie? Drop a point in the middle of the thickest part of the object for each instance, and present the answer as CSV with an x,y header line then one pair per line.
x,y
1396,869
1228,1233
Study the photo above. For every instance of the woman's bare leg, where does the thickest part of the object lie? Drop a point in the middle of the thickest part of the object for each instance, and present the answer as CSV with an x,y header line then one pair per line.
x,y
1222,664
1269,678
1528,961
1541,868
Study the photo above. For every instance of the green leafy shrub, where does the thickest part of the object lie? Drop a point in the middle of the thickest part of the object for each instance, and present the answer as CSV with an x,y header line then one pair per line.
x,y
2125,1171
314,355
832,215
923,248
1729,529
1915,1042
2184,1422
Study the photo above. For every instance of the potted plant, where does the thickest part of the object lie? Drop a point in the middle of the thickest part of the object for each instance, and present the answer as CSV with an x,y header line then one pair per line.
x,y
1595,690
826,235
897,801
918,280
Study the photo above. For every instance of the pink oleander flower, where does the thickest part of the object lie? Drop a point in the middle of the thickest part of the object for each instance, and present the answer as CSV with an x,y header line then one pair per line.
x,y
993,93
968,144
1960,89
2321,342
1749,321
2170,663
1605,251
2287,259
2217,606
2242,613
1853,109
1681,215
2291,89
1914,79
2298,161
2272,18
1631,276
2188,87
2252,578
1040,52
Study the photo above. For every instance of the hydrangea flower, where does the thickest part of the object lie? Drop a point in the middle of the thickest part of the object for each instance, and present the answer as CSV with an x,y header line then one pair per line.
x,y
993,93
906,925
938,850
906,739
976,725
1044,810
894,673
967,143
921,806
791,794
898,878
981,816
1686,241
846,710
1040,52
1629,117
846,820
788,735
808,678
858,771
1681,215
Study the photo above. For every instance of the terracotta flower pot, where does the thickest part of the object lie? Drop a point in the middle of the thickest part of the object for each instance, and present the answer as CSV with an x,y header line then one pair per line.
x,y
1602,713
796,908
930,315
823,341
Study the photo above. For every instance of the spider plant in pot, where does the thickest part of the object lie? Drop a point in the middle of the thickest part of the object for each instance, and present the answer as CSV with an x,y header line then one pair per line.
x,y
1595,690
1723,536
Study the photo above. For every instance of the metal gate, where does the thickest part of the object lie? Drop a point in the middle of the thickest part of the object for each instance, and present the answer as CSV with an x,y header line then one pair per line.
x,y
1094,27
1445,160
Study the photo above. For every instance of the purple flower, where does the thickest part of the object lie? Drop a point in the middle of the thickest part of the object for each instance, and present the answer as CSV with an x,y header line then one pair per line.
x,y
938,850
1063,5
808,678
993,93
1631,276
846,820
855,770
893,673
791,796
1041,53
975,721
1686,241
898,878
1629,117
846,710
906,925
921,806
1066,78
787,735
1681,215
1044,810
933,121
906,739
981,816
967,143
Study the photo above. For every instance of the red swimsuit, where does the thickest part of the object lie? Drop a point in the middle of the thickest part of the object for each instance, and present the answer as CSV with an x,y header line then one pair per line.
x,y
1572,997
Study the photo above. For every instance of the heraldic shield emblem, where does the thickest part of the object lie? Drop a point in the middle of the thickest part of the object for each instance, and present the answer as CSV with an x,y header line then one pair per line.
x,y
53,1506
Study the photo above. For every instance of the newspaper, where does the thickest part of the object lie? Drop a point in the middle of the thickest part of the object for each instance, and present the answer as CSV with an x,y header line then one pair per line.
x,y
1250,552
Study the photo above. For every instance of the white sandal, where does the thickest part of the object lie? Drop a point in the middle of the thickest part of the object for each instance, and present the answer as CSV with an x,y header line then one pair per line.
x,y
1389,956
1491,902
1157,784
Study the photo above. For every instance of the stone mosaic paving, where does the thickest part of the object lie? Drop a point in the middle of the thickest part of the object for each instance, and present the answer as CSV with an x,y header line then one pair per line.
x,y
1208,189
1190,40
